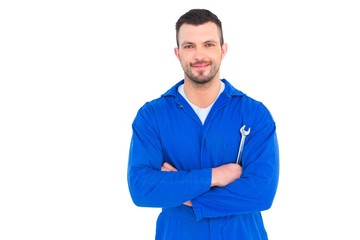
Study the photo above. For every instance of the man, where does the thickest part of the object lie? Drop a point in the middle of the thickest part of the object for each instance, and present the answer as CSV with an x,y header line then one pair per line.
x,y
186,144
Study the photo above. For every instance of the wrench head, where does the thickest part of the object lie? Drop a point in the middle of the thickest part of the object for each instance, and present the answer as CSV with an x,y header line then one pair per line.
x,y
243,132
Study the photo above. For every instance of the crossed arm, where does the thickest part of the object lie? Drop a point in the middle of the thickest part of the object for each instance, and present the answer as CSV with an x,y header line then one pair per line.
x,y
220,176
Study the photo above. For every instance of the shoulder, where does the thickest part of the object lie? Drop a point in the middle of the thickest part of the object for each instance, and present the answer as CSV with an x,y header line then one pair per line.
x,y
238,95
247,103
162,103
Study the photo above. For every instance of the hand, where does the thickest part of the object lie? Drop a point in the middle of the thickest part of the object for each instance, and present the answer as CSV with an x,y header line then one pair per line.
x,y
225,174
167,167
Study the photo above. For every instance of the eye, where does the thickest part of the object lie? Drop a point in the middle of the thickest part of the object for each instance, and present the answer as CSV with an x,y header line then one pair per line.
x,y
210,45
188,46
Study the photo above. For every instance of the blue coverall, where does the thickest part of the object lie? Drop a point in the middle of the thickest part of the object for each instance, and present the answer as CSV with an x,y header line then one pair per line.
x,y
167,129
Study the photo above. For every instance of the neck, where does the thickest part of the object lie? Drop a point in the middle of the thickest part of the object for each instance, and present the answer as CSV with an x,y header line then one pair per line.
x,y
202,95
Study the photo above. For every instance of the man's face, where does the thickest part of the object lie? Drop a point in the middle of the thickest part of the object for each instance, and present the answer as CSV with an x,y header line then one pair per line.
x,y
200,52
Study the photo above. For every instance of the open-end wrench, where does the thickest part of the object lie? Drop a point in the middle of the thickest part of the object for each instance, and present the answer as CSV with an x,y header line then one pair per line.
x,y
242,141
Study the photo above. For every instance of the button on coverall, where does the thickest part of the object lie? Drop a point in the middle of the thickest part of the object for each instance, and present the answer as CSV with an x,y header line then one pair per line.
x,y
167,129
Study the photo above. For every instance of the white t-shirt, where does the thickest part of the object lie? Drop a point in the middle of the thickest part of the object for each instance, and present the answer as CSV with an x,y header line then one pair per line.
x,y
201,112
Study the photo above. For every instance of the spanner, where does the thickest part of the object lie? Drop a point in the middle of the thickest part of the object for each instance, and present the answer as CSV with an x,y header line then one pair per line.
x,y
242,141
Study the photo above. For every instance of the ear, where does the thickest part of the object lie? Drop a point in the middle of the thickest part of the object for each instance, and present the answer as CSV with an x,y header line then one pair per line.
x,y
177,54
224,49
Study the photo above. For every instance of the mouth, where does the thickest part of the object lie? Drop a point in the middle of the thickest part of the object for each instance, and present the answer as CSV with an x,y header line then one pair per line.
x,y
200,65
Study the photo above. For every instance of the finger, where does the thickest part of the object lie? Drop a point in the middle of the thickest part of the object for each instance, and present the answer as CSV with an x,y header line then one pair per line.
x,y
168,167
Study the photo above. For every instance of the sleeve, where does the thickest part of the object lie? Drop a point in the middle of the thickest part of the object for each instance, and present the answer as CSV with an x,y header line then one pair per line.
x,y
255,190
148,185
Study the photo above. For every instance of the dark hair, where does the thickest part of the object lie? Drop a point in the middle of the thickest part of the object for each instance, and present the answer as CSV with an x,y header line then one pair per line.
x,y
198,17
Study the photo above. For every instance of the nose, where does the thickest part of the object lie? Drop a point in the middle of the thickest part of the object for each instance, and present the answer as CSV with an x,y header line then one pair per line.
x,y
199,53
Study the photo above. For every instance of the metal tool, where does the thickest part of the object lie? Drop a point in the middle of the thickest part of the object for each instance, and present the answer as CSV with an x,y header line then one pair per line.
x,y
242,141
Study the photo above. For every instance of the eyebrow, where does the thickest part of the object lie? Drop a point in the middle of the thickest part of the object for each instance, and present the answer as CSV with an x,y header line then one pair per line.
x,y
206,42
186,43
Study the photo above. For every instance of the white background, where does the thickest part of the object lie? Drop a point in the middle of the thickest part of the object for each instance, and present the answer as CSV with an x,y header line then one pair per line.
x,y
74,73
